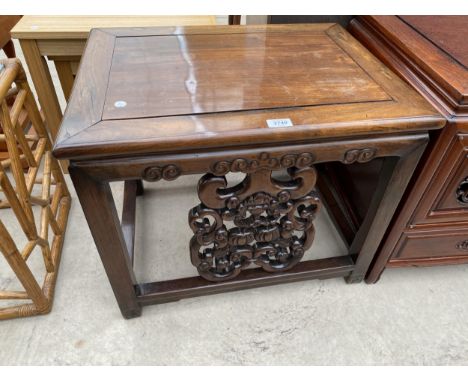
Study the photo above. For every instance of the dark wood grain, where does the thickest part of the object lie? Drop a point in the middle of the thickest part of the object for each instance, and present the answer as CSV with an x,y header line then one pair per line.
x,y
428,52
346,190
200,74
6,24
448,33
132,189
234,19
333,185
273,219
173,290
90,85
428,261
443,202
101,214
363,96
187,109
343,20
433,242
431,68
114,169
387,197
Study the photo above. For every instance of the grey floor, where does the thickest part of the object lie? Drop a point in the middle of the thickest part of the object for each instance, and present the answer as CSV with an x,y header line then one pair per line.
x,y
411,317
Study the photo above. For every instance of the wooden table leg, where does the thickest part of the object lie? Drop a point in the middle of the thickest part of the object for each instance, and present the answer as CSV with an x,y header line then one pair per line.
x,y
387,197
65,74
99,208
9,49
132,189
234,19
44,86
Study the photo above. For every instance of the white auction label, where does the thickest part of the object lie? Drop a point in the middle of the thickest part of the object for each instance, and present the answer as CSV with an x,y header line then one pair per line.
x,y
284,122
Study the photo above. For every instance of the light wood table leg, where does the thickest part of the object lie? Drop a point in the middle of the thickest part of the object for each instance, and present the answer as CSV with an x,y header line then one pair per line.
x,y
44,86
65,74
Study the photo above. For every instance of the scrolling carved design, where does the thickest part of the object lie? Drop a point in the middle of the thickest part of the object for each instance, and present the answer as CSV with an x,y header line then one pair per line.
x,y
155,173
264,161
359,155
462,245
462,191
272,220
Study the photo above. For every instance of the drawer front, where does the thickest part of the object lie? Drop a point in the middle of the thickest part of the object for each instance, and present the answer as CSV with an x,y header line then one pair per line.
x,y
446,199
433,243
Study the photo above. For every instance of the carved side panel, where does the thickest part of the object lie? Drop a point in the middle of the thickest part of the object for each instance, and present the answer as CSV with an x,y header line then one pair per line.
x,y
271,221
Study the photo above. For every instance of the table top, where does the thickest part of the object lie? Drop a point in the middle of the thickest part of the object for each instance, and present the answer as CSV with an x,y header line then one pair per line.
x,y
446,32
437,46
181,89
78,27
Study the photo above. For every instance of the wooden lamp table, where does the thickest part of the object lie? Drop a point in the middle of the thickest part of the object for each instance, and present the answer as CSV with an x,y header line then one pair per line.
x,y
158,103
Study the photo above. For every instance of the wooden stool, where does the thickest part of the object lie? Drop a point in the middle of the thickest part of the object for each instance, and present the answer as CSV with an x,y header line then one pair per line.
x,y
53,200
158,103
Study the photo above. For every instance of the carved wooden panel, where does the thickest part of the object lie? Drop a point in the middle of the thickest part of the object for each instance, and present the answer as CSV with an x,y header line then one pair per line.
x,y
462,191
446,198
261,220
359,155
155,173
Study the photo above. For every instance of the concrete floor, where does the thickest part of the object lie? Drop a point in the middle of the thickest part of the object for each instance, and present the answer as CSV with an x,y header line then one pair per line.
x,y
411,317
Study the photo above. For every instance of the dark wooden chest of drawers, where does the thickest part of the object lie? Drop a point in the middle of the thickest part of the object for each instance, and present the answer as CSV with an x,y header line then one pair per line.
x,y
431,53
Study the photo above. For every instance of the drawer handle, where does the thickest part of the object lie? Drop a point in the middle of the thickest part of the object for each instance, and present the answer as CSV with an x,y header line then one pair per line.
x,y
462,245
462,191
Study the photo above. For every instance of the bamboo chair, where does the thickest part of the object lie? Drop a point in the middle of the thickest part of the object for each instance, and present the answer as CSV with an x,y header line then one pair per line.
x,y
6,44
17,186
